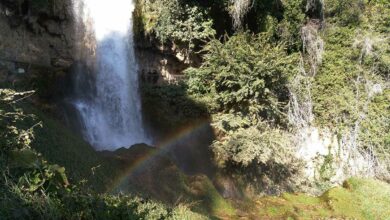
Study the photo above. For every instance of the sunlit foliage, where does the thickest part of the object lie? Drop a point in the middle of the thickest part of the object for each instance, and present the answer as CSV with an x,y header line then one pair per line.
x,y
247,73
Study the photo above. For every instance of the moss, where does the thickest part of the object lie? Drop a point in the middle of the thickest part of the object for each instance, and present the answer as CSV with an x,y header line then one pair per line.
x,y
365,199
358,199
293,205
216,204
173,186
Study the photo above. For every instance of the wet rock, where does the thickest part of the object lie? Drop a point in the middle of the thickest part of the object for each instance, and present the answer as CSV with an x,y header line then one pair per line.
x,y
159,66
61,62
53,27
36,33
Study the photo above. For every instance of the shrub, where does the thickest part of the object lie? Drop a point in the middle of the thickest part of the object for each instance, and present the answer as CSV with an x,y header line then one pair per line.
x,y
246,74
177,21
256,144
350,91
344,12
289,27
256,155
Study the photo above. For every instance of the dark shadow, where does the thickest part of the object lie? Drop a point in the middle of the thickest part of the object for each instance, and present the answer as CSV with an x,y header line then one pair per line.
x,y
271,178
180,168
180,126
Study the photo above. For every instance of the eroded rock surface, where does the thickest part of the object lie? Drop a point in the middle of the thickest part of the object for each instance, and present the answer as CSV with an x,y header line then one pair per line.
x,y
39,32
159,63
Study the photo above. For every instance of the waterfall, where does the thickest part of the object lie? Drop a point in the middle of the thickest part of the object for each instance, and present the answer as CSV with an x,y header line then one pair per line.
x,y
110,111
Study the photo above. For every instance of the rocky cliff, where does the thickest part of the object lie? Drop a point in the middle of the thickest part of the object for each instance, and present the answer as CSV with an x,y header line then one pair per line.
x,y
34,34
158,63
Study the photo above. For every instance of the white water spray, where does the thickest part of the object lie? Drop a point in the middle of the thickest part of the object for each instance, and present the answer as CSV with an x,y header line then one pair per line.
x,y
111,116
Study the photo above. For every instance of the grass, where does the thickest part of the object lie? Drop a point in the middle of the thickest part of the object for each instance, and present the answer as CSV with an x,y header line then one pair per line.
x,y
360,198
200,188
357,199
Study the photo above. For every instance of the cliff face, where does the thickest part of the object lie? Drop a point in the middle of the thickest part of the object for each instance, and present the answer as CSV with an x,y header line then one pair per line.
x,y
34,33
158,63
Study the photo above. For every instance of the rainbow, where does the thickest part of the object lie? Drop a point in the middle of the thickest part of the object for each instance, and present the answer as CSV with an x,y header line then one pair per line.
x,y
164,146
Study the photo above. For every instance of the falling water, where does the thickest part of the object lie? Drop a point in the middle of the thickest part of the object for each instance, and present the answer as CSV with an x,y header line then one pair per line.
x,y
111,114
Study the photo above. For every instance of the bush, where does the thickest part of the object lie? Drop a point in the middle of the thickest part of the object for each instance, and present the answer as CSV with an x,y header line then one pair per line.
x,y
177,21
255,144
246,74
257,155
289,27
344,12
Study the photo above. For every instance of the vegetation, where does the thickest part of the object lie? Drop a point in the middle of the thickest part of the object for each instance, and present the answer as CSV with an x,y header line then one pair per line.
x,y
176,107
351,85
246,81
179,22
327,60
358,199
246,74
34,188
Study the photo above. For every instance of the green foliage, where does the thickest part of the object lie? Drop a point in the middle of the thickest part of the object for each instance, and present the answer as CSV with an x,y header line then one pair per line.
x,y
176,21
375,130
334,91
246,74
326,170
281,19
256,144
176,108
54,140
243,81
257,155
344,12
23,171
31,188
350,90
257,18
374,16
293,18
